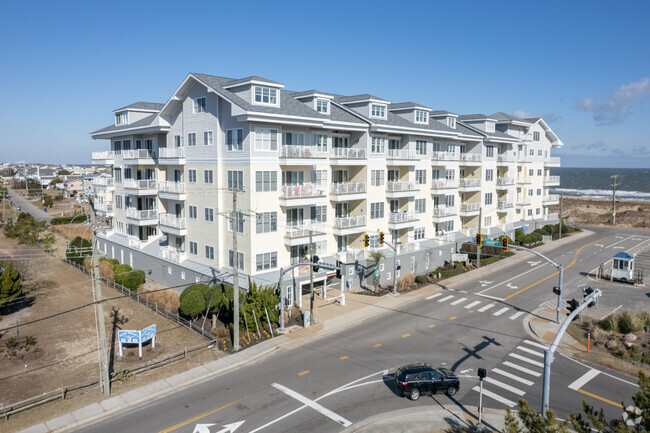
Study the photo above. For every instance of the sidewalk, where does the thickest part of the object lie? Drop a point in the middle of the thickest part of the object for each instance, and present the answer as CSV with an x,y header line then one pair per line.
x,y
540,325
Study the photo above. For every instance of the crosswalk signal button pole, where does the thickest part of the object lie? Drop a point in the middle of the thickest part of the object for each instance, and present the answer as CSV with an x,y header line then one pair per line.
x,y
366,240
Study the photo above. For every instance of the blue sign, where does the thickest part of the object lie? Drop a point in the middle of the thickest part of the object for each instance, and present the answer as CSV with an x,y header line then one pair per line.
x,y
128,336
148,333
137,337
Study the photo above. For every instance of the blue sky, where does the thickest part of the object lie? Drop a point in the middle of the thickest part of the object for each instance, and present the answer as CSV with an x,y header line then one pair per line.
x,y
583,65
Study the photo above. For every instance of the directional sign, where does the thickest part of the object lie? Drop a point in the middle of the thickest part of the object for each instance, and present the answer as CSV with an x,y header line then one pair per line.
x,y
485,283
491,243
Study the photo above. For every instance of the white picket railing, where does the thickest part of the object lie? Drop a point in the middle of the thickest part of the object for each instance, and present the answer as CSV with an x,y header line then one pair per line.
x,y
140,184
349,222
171,220
347,153
302,190
171,152
290,151
348,188
171,187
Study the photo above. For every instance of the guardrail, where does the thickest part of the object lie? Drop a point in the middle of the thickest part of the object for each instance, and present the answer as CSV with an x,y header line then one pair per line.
x,y
444,211
103,155
171,220
148,214
445,156
469,183
138,154
400,217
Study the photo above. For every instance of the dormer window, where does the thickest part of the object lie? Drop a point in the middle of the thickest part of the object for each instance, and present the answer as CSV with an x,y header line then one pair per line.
x,y
266,95
377,110
121,118
535,135
489,126
451,122
322,105
421,116
199,105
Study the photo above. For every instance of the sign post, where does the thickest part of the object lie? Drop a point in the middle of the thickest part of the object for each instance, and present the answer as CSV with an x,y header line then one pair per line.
x,y
137,337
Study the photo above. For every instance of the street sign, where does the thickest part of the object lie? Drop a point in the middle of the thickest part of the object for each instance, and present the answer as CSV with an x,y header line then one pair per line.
x,y
390,254
491,243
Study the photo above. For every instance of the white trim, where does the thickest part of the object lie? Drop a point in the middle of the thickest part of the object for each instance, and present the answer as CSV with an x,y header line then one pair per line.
x,y
254,82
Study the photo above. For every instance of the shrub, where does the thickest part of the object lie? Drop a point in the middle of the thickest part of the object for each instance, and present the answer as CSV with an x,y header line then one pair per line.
x,y
628,322
192,303
10,283
105,267
79,218
610,323
518,233
11,343
121,269
114,262
128,277
167,300
421,279
78,250
550,229
536,237
30,340
405,282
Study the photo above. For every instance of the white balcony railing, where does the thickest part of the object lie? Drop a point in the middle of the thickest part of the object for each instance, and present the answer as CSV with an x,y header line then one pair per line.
x,y
469,183
171,152
473,157
171,187
444,183
524,179
133,241
349,222
551,217
104,207
505,181
401,217
402,154
527,137
103,181
348,188
552,160
172,254
301,191
170,220
347,153
524,158
523,201
507,158
504,204
107,155
444,211
350,255
138,154
302,152
445,156
302,230
140,184
134,213
551,197
552,179
470,207
408,248
401,185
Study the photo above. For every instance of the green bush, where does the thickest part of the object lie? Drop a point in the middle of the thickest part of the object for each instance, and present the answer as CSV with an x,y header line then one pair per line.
x,y
629,321
192,301
518,233
78,250
30,340
121,269
113,262
11,343
421,279
10,283
550,229
610,323
536,237
79,218
128,277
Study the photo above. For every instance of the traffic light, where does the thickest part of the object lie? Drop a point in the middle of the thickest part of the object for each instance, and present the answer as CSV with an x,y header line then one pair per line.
x,y
482,373
588,291
381,238
504,243
478,239
573,304
556,290
366,241
315,260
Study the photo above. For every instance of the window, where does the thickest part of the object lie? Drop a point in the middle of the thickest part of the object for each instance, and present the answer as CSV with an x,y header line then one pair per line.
x,y
191,176
118,201
322,105
318,177
128,173
535,135
121,118
418,233
377,110
531,152
488,198
208,176
420,205
240,259
489,151
266,181
421,116
487,221
447,226
266,222
117,174
126,144
374,242
293,139
234,139
319,214
266,139
530,192
199,105
539,152
193,212
539,172
530,212
378,145
531,172
266,95
539,191
266,261
178,141
194,248
319,141
537,211
209,252
420,177
451,122
235,179
450,174
450,200
191,139
240,221
489,126
209,215
376,210
207,138
489,175
377,177
421,147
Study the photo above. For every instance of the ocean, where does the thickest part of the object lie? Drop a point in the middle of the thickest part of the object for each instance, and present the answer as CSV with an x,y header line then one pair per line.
x,y
597,183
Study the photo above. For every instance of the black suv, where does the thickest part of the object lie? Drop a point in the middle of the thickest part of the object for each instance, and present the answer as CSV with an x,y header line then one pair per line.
x,y
422,379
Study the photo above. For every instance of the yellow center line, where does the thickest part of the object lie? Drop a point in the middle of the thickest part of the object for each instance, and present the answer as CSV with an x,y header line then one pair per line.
x,y
601,398
302,373
452,318
432,326
470,311
191,420
406,335
344,357
377,345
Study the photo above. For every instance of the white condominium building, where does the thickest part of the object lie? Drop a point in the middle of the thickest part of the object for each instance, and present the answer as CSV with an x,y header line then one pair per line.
x,y
338,166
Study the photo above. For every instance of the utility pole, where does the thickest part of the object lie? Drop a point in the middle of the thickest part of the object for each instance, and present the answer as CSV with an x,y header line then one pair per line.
x,y
311,279
235,271
561,198
97,288
616,182
478,247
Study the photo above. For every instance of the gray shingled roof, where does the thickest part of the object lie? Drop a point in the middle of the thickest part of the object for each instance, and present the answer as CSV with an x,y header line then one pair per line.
x,y
440,113
363,97
152,106
234,82
507,117
473,117
495,134
309,92
142,122
403,105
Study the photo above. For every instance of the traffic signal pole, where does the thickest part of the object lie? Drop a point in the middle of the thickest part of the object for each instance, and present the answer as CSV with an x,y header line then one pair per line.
x,y
392,247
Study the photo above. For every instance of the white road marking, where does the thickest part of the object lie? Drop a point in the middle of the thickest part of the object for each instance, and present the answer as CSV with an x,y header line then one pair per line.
x,y
507,387
533,263
458,301
528,360
622,240
501,311
618,247
512,376
582,380
511,286
599,245
446,298
311,403
465,371
536,344
428,298
507,281
485,308
496,397
472,304
531,351
485,283
517,314
522,369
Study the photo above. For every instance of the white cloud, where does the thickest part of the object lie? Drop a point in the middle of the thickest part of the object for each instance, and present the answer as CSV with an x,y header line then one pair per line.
x,y
549,117
618,103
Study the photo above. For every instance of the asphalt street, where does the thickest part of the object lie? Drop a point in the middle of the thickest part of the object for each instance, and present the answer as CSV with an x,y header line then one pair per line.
x,y
28,207
336,379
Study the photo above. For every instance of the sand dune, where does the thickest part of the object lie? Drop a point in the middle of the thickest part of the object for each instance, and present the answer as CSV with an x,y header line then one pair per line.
x,y
590,211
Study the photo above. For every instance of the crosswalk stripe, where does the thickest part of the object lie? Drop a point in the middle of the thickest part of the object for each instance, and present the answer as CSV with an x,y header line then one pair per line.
x,y
485,308
428,298
512,376
446,298
458,301
468,306
496,397
507,387
531,351
528,360
522,369
501,311
536,344
582,380
517,314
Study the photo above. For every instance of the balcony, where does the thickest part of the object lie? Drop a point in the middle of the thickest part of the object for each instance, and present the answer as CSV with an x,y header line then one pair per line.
x,y
347,156
139,156
301,195
523,201
171,155
104,208
348,225
551,199
551,180
172,190
134,242
404,155
172,254
444,184
506,158
552,160
103,183
439,212
470,158
473,184
141,187
170,223
295,235
551,217
103,158
524,179
444,156
399,189
350,255
142,217
523,158
347,191
504,205
467,209
505,182
302,152
401,220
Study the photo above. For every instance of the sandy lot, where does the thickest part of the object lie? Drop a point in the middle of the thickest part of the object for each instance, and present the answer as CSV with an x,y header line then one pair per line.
x,y
596,212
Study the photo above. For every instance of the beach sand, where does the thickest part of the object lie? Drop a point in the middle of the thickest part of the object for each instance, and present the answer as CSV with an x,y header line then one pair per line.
x,y
597,212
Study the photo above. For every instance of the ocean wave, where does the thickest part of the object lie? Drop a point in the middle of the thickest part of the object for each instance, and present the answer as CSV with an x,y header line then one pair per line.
x,y
603,193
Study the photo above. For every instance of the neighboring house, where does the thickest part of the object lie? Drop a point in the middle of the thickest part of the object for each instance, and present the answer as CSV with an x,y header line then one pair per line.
x,y
338,166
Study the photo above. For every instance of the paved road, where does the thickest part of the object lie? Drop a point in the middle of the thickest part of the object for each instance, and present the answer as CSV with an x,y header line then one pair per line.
x,y
342,378
27,206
